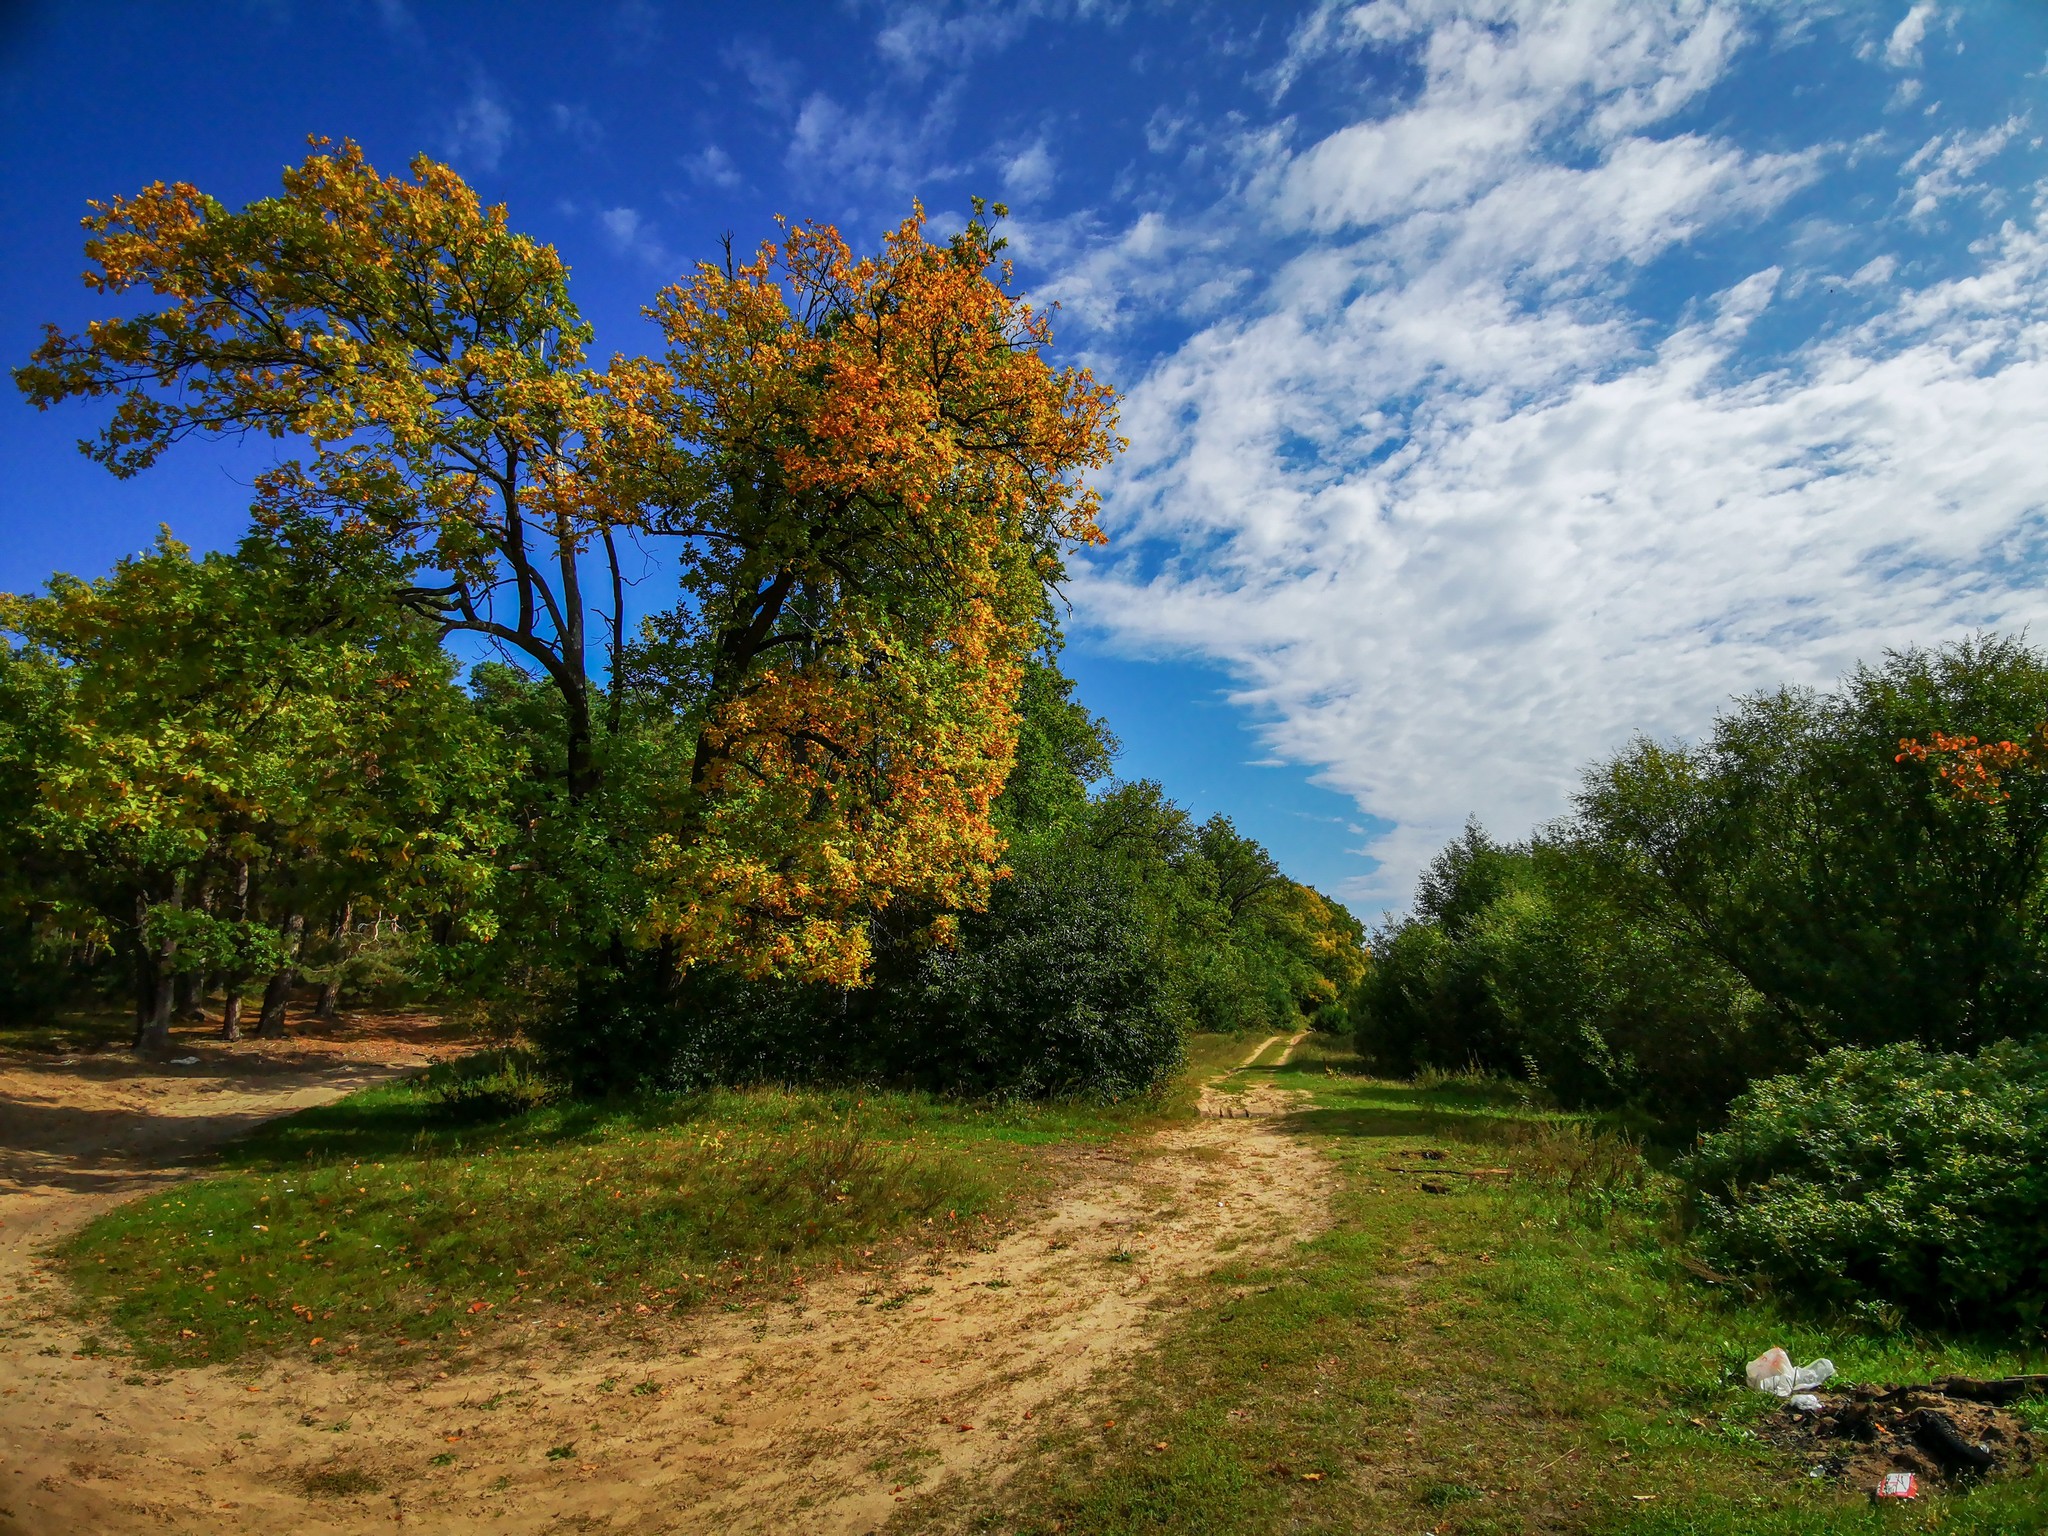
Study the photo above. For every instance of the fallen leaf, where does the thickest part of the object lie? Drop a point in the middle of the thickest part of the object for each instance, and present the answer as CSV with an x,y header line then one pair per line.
x,y
1311,1477
317,1342
1159,1445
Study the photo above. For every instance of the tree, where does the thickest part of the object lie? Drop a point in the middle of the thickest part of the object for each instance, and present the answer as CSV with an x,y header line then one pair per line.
x,y
864,468
247,742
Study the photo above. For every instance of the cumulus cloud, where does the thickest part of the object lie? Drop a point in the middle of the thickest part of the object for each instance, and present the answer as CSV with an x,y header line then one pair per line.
x,y
1459,513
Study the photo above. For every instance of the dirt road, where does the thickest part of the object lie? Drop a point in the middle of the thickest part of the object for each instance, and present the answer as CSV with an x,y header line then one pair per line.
x,y
819,1414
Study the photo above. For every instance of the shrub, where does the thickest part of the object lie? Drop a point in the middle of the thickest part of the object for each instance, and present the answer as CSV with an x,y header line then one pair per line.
x,y
1059,989
1893,1175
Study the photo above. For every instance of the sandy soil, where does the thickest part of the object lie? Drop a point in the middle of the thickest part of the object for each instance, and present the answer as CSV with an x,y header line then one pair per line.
x,y
820,1414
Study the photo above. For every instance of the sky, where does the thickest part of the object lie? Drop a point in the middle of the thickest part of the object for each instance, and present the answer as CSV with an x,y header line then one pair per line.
x,y
1502,378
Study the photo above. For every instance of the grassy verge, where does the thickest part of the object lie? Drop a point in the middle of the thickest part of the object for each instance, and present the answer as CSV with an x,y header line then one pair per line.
x,y
1511,1355
455,1207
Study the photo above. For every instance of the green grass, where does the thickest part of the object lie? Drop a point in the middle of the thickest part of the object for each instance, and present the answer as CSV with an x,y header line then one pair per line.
x,y
457,1210
1507,1357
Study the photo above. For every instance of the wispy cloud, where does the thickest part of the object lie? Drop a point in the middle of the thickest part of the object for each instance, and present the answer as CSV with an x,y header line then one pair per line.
x,y
1944,166
1459,512
712,167
630,234
480,131
1902,48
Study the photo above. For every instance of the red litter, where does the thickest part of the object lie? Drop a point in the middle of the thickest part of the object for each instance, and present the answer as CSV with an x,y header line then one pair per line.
x,y
1899,1485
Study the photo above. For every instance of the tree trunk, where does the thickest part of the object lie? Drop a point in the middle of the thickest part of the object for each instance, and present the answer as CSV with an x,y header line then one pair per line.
x,y
157,1035
329,1011
235,980
145,976
270,1023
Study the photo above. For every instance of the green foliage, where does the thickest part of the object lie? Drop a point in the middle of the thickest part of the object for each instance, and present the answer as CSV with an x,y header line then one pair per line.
x,y
1716,913
1843,880
1896,1175
206,757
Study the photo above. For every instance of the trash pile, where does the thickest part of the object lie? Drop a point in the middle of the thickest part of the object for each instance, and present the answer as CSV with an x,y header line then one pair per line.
x,y
1894,1440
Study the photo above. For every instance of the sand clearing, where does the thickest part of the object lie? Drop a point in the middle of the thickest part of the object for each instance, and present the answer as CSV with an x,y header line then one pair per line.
x,y
818,1414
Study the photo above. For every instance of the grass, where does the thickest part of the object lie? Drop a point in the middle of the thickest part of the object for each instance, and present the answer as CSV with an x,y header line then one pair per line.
x,y
458,1210
1514,1355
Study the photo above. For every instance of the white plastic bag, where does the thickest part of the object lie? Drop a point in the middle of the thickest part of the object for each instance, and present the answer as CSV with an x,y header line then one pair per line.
x,y
1773,1372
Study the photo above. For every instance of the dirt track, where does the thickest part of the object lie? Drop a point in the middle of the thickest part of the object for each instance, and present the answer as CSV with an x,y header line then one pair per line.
x,y
818,1416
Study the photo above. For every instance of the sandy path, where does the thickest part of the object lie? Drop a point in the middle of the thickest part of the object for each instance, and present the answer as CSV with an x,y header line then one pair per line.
x,y
813,1415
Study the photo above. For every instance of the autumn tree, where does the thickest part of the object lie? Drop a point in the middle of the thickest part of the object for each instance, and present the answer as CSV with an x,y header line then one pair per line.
x,y
862,466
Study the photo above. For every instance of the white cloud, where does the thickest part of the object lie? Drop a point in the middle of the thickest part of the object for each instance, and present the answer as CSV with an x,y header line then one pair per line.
x,y
1902,49
631,235
481,130
575,121
877,148
1461,515
712,167
1942,168
921,36
1030,173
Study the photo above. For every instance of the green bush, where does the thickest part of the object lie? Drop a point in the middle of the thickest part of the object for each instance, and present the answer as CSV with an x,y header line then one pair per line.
x,y
1893,1176
1059,989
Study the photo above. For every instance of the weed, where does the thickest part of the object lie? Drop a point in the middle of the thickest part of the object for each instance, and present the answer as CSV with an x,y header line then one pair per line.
x,y
561,1453
442,1459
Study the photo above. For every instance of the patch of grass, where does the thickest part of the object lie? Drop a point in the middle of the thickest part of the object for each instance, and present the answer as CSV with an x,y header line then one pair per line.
x,y
443,1208
1519,1354
338,1482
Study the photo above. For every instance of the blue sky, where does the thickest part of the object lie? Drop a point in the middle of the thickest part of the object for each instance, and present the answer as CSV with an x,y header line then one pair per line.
x,y
1503,378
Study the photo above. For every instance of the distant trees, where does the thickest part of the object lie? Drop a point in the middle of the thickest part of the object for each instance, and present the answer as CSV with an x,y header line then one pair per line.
x,y
214,763
1855,867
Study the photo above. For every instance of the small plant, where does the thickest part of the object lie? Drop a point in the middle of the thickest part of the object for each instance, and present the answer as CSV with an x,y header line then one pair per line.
x,y
561,1453
646,1389
444,1459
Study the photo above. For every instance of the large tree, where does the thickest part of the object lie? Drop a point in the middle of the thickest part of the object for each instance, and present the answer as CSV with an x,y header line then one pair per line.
x,y
863,467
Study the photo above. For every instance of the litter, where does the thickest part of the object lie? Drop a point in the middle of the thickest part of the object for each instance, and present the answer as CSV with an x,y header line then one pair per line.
x,y
184,1061
1805,1402
1773,1372
1899,1485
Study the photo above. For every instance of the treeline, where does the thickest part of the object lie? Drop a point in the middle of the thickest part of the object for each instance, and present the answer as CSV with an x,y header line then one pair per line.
x,y
1855,867
238,777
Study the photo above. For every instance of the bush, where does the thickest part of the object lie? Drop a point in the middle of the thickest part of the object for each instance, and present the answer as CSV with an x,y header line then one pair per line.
x,y
1896,1175
1059,989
